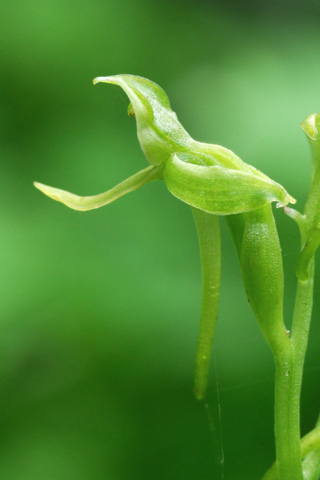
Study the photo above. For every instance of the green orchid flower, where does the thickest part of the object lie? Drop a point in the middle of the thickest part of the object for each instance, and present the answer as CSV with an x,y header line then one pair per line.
x,y
214,182
209,177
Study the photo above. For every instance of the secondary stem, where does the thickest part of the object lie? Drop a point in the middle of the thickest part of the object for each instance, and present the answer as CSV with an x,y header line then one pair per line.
x,y
289,372
208,227
299,338
309,443
289,407
287,431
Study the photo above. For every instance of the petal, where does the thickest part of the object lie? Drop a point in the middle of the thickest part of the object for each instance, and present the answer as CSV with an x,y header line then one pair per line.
x,y
96,201
218,190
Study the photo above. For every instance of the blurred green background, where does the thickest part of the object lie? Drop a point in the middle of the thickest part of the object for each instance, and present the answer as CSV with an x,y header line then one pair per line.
x,y
100,310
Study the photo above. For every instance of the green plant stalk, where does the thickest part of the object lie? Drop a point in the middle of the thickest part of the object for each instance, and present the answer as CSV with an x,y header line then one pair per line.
x,y
310,239
308,224
260,256
309,443
208,227
299,340
304,299
289,372
288,383
287,428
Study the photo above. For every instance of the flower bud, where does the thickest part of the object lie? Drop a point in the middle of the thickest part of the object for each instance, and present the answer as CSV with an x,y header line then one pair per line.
x,y
257,242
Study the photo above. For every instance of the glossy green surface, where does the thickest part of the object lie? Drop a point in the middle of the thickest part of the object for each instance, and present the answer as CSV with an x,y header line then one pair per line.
x,y
208,177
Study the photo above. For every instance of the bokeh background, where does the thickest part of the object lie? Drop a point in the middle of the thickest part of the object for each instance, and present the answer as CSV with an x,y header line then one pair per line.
x,y
100,310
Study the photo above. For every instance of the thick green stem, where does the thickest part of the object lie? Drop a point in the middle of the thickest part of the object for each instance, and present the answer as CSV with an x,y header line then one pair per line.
x,y
289,389
287,408
287,428
208,227
309,443
289,372
308,224
261,262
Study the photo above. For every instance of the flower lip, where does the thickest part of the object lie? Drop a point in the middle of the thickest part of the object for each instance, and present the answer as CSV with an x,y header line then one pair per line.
x,y
219,190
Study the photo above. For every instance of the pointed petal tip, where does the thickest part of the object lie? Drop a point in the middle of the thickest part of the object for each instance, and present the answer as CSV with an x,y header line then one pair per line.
x,y
40,186
292,200
54,193
109,79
